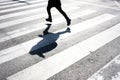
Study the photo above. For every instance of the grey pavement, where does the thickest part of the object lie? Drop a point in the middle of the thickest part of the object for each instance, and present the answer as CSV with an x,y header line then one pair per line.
x,y
87,50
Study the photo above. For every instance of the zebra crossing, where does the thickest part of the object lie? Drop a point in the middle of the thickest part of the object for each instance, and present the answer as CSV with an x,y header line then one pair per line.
x,y
39,72
111,65
26,21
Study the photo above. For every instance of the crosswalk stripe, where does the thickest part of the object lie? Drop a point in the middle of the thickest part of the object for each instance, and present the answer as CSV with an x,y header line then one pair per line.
x,y
22,7
98,75
7,6
2,4
12,1
30,18
38,10
90,23
28,6
97,5
19,4
33,28
23,48
21,13
52,65
2,1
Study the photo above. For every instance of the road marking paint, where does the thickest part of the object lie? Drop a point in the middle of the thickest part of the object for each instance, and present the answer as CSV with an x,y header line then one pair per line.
x,y
98,75
116,77
58,62
38,10
29,29
6,3
22,7
22,13
23,48
117,3
30,18
19,4
2,1
103,6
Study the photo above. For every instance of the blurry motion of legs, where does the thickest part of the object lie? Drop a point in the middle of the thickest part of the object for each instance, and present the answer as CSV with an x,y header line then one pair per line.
x,y
57,5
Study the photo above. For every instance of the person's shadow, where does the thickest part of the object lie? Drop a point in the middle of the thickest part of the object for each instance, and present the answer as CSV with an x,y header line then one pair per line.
x,y
48,42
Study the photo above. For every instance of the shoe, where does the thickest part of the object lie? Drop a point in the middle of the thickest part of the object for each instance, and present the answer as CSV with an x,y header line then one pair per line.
x,y
68,22
50,20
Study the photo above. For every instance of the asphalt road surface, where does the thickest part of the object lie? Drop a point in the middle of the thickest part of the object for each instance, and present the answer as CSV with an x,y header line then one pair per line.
x,y
33,49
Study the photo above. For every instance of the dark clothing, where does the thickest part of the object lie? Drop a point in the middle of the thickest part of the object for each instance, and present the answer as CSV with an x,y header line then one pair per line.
x,y
57,5
54,3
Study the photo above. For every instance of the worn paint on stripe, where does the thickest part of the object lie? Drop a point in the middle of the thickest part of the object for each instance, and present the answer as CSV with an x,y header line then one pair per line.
x,y
23,7
30,18
52,65
19,4
29,29
103,73
21,49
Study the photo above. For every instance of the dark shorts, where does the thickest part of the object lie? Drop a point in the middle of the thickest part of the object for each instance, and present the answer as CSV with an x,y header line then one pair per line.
x,y
54,3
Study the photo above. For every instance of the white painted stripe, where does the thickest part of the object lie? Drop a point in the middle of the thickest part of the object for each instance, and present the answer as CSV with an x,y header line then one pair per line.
x,y
99,5
4,0
6,3
117,3
17,1
22,13
90,23
38,10
30,18
28,6
1,1
98,75
19,4
22,7
52,65
29,29
103,6
23,48
7,6
116,77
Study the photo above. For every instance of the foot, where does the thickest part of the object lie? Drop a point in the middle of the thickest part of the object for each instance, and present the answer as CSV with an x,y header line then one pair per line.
x,y
50,20
68,22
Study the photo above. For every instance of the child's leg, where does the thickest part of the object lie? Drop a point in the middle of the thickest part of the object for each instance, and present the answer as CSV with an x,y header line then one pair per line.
x,y
49,14
64,14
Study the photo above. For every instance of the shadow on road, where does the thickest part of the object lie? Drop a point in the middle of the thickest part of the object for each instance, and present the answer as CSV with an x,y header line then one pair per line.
x,y
47,43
